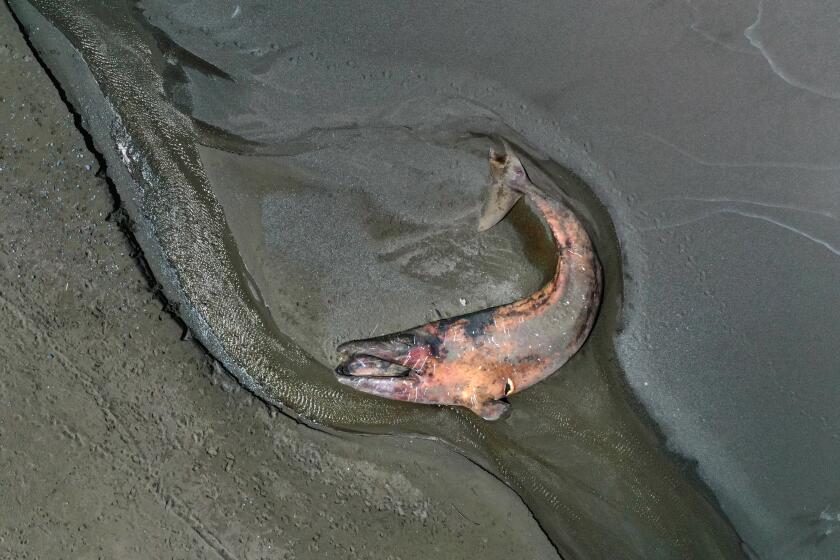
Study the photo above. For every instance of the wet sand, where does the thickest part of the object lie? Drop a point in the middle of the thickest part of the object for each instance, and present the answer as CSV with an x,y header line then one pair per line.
x,y
118,439
708,131
576,451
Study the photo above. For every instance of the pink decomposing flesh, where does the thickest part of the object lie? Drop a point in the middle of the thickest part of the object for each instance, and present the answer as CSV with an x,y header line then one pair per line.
x,y
477,360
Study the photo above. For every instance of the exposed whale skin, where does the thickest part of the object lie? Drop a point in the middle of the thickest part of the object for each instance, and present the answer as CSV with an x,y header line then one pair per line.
x,y
478,360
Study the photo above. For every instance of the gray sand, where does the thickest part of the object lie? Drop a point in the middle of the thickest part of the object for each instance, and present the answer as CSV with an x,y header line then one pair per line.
x,y
120,440
576,451
710,132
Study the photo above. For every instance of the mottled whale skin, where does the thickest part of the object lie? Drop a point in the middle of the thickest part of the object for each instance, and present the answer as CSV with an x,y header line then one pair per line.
x,y
479,359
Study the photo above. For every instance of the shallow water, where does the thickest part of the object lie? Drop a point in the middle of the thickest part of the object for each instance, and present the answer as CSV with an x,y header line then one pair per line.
x,y
346,182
